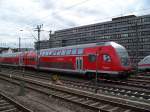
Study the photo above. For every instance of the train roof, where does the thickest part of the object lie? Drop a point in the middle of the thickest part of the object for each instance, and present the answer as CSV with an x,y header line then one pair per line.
x,y
114,44
111,43
145,60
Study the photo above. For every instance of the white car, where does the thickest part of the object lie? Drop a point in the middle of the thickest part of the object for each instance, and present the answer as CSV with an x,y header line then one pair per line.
x,y
144,64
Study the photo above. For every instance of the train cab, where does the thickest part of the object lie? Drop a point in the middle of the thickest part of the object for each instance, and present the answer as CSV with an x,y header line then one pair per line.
x,y
107,59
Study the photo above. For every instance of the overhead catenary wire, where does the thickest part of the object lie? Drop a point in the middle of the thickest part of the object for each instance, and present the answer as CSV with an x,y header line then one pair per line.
x,y
116,15
74,5
78,4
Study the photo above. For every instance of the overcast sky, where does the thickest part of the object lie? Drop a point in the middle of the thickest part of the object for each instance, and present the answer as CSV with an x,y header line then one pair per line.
x,y
16,15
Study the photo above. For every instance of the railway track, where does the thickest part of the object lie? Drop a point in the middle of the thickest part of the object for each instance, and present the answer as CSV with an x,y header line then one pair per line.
x,y
131,82
147,74
97,102
136,81
102,88
7,104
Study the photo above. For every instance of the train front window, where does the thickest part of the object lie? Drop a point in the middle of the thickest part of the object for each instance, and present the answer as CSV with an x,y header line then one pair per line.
x,y
124,57
122,53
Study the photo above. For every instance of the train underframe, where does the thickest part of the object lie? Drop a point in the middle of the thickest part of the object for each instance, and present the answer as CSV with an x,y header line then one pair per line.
x,y
89,75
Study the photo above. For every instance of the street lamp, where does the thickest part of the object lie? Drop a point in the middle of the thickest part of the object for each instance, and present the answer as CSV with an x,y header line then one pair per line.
x,y
20,42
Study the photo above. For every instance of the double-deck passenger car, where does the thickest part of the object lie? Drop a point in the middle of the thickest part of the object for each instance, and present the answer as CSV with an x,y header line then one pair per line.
x,y
105,58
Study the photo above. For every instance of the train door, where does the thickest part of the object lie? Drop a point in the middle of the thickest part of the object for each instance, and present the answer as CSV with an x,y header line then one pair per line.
x,y
79,64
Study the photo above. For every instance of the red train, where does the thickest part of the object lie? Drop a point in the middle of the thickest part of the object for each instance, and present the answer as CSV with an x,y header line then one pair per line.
x,y
105,58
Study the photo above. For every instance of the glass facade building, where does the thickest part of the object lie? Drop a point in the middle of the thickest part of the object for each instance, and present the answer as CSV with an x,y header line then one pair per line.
x,y
133,32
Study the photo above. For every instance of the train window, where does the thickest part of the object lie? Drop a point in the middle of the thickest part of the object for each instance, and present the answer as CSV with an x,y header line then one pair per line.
x,y
106,58
54,53
92,57
43,53
74,51
63,52
46,53
58,52
40,53
68,51
80,51
49,53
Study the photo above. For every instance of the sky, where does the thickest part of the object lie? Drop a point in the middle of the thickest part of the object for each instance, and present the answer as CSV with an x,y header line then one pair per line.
x,y
19,18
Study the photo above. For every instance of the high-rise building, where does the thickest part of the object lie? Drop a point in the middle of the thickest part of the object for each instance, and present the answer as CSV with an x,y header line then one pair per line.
x,y
133,32
43,44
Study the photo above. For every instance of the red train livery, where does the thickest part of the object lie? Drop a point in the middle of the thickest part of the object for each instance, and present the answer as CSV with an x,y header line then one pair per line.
x,y
105,58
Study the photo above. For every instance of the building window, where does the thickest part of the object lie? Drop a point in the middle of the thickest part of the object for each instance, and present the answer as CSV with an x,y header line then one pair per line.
x,y
147,19
124,35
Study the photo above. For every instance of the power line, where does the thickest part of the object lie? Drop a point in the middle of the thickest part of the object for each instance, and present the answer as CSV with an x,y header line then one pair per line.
x,y
110,17
32,34
84,1
72,6
55,14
